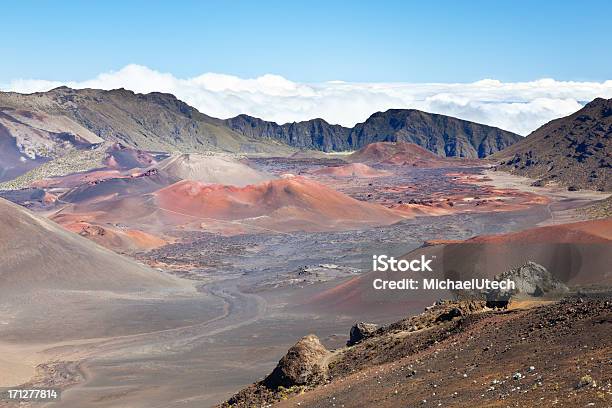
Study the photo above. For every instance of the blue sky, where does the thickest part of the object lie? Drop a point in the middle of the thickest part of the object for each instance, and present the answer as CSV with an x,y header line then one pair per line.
x,y
310,41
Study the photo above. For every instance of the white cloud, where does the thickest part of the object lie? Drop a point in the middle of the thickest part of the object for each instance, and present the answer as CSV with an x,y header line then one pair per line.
x,y
517,106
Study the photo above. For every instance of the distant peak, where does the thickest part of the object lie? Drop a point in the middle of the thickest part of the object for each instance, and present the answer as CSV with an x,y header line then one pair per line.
x,y
599,102
61,88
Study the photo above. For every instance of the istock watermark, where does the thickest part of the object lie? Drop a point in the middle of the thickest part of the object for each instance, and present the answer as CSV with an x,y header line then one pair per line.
x,y
384,263
389,264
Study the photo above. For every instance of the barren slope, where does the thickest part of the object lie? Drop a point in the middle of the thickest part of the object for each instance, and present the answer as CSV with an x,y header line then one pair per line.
x,y
215,169
153,121
397,153
553,355
30,138
289,203
572,151
38,254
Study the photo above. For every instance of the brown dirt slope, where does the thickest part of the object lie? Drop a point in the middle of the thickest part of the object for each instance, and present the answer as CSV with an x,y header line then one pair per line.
x,y
553,354
574,151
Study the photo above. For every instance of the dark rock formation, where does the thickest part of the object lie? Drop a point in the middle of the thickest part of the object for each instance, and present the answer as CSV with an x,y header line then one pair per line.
x,y
313,134
443,135
361,331
530,279
449,315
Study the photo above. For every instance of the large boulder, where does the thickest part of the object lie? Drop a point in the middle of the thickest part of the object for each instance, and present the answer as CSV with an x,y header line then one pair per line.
x,y
530,279
302,365
534,280
361,331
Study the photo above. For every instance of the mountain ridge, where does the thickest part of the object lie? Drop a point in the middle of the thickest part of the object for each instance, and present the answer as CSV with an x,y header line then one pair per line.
x,y
441,134
152,121
161,121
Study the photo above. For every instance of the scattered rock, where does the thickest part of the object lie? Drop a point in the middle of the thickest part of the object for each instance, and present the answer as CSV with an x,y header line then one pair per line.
x,y
585,381
498,300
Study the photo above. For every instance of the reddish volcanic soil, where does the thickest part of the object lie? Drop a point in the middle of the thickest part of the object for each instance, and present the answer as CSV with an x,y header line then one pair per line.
x,y
119,240
289,203
399,153
595,232
435,209
352,170
576,254
488,200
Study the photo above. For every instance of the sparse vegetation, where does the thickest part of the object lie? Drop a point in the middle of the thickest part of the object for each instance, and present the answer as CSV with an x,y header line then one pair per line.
x,y
74,161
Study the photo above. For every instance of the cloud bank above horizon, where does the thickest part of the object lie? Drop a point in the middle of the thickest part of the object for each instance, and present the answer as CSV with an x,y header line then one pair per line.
x,y
520,107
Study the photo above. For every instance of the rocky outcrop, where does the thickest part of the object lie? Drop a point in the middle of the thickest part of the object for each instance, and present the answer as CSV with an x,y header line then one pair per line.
x,y
361,331
314,134
443,135
533,279
426,355
530,279
161,122
302,365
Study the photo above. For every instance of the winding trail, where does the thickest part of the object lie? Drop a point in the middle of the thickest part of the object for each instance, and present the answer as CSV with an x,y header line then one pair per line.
x,y
97,355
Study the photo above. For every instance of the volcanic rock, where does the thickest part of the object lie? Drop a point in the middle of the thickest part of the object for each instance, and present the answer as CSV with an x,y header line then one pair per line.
x,y
361,331
301,365
449,315
533,279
